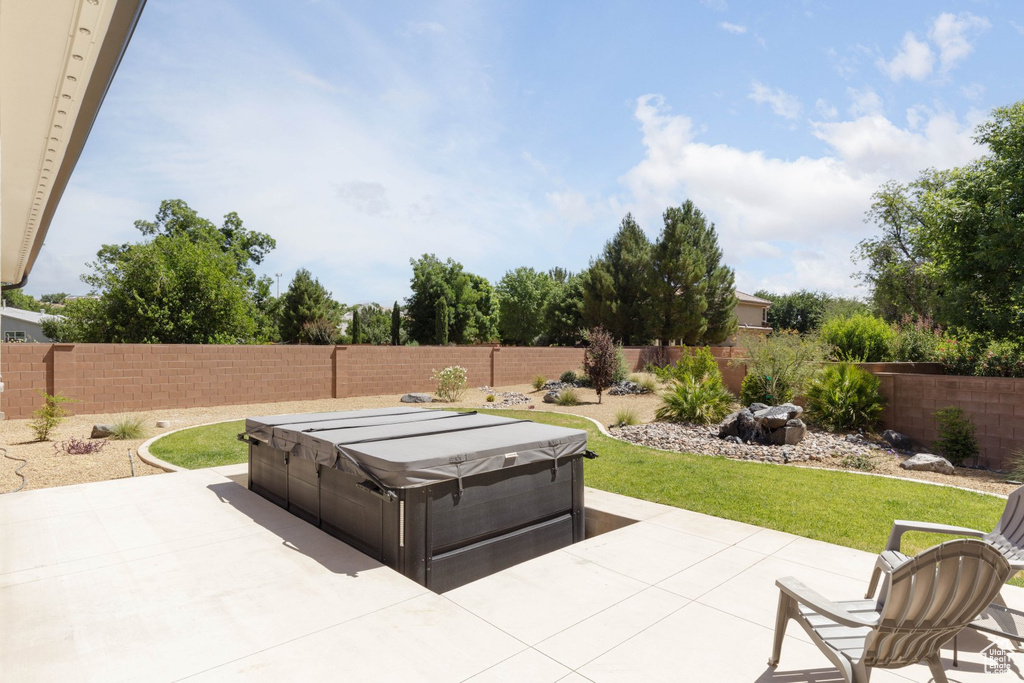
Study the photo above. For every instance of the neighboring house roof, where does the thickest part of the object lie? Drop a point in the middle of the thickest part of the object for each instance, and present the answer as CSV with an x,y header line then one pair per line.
x,y
751,299
24,316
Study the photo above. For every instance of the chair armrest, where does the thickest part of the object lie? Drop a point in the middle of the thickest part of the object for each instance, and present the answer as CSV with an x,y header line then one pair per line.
x,y
795,589
902,526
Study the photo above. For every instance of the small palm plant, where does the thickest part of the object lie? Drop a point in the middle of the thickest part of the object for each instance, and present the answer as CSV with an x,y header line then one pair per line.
x,y
700,400
844,397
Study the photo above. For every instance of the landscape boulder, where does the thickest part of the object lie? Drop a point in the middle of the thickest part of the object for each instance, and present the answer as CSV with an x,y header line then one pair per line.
x,y
900,442
769,425
101,431
552,396
417,398
754,407
777,416
926,462
789,434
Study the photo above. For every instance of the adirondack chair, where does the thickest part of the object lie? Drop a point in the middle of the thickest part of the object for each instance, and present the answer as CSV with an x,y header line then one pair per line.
x,y
1007,537
931,597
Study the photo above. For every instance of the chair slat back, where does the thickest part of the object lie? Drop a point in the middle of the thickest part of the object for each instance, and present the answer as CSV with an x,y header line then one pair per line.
x,y
932,597
1010,528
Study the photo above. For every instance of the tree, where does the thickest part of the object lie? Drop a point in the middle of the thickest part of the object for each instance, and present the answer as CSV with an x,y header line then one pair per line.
x,y
472,302
357,336
616,287
55,298
442,320
563,313
600,360
523,294
306,300
82,322
678,286
720,292
802,311
396,325
16,298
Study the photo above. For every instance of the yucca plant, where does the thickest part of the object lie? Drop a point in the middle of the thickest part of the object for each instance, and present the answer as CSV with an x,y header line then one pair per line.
x,y
844,397
703,400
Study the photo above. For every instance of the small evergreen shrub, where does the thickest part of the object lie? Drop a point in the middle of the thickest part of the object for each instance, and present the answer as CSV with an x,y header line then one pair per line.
x,y
700,401
621,367
320,332
844,397
567,397
956,441
625,417
764,389
538,382
49,416
451,383
490,398
861,338
128,427
568,377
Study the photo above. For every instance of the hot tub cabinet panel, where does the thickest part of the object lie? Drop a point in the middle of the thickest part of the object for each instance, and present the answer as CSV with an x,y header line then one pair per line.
x,y
524,499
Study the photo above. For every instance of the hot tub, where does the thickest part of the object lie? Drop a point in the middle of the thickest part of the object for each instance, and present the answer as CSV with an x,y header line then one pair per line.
x,y
444,498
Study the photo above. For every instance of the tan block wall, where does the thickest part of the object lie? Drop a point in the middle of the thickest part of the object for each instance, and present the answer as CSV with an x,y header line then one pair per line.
x,y
25,368
995,404
370,370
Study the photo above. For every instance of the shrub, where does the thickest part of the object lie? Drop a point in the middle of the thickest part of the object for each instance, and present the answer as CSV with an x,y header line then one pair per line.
x,y
74,446
699,363
568,377
320,331
861,338
601,360
621,371
956,435
626,416
567,397
1001,359
1016,472
645,381
857,462
451,383
844,397
778,366
490,398
915,341
958,355
49,416
538,382
128,427
701,401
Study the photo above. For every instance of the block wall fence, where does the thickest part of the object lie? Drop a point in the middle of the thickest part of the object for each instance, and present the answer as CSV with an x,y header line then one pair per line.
x,y
112,378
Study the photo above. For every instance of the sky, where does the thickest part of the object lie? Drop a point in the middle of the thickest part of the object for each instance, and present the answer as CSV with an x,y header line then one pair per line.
x,y
363,134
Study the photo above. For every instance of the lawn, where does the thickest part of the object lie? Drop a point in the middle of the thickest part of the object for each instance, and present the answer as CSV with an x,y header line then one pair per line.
x,y
838,507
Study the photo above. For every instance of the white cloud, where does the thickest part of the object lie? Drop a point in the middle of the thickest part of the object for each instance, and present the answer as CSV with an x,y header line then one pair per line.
x,y
717,5
826,110
952,34
571,208
806,214
732,28
781,102
864,101
913,60
974,91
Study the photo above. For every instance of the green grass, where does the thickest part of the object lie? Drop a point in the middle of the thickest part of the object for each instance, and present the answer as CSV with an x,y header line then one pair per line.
x,y
199,447
838,507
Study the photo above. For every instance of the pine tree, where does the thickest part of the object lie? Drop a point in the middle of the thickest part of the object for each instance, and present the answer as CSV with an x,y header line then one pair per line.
x,y
396,325
616,287
305,300
357,333
441,319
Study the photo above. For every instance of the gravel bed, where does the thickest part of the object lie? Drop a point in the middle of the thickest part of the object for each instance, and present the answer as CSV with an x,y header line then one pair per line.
x,y
504,399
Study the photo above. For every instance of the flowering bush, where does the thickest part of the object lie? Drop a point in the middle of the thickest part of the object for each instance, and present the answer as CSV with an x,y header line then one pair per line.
x,y
451,383
915,341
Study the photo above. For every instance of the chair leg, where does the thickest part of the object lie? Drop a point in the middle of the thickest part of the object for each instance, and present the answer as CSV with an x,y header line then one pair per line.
x,y
1006,624
786,604
938,673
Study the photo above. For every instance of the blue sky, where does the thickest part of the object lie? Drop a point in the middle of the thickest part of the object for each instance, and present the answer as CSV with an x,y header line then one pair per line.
x,y
363,134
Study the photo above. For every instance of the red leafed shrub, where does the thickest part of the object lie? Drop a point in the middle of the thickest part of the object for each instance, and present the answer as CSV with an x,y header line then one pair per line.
x,y
75,446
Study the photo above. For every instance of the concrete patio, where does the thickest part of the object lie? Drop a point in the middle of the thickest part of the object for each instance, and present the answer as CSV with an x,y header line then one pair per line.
x,y
191,576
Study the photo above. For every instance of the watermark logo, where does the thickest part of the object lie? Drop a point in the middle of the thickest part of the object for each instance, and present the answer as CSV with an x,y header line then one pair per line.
x,y
997,660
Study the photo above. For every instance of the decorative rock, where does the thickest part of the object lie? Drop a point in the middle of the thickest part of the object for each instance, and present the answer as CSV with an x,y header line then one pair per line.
x,y
900,442
754,407
162,424
926,462
552,396
417,398
789,435
625,387
777,416
734,439
101,431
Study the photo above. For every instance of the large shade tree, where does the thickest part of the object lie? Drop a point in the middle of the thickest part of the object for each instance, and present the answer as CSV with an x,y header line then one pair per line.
x,y
189,281
471,302
306,301
523,294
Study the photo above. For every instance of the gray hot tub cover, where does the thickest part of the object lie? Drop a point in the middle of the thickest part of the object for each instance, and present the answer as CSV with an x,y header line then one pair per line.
x,y
408,447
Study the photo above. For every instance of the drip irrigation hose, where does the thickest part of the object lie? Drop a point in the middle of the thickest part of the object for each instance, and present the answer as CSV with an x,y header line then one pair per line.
x,y
17,470
132,461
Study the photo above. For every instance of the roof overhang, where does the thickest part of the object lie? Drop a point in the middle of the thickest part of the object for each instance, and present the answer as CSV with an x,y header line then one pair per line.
x,y
57,60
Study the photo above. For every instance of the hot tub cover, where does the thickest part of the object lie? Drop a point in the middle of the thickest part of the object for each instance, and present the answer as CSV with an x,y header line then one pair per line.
x,y
408,447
